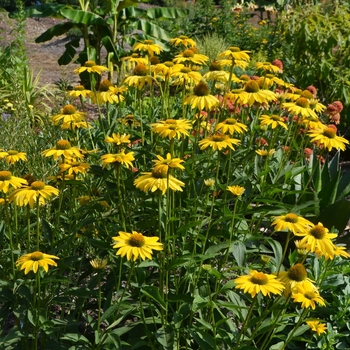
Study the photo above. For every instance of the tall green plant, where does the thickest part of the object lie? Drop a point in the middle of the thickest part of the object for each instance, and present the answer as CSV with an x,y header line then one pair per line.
x,y
317,48
110,25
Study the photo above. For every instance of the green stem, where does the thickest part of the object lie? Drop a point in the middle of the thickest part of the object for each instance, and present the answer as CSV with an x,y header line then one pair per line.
x,y
246,321
301,319
37,223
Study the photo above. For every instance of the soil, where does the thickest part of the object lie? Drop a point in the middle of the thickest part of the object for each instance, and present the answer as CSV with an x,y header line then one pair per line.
x,y
42,57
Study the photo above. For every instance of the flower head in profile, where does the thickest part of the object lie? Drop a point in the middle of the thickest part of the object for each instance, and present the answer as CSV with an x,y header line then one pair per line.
x,y
273,120
140,77
118,158
259,282
72,167
118,139
172,128
68,115
253,94
8,181
79,90
218,142
265,152
201,98
209,182
327,136
231,125
300,107
235,53
183,40
148,46
307,296
64,149
317,326
295,275
168,162
291,222
13,156
135,244
267,67
318,239
37,192
98,263
185,75
189,57
33,261
236,190
91,67
107,92
158,179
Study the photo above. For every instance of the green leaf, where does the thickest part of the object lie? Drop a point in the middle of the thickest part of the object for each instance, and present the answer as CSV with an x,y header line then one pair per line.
x,y
278,346
153,293
166,12
56,30
203,339
82,17
69,53
166,337
238,249
45,10
277,250
77,338
336,215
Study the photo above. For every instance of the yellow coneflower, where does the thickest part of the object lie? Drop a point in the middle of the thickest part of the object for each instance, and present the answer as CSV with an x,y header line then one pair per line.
x,y
91,67
37,192
135,244
158,179
259,282
7,181
172,128
201,98
148,46
33,261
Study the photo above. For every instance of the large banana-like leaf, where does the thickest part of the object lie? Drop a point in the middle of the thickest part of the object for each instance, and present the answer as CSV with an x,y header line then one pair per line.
x,y
50,10
127,3
155,13
56,30
166,12
83,17
70,52
151,29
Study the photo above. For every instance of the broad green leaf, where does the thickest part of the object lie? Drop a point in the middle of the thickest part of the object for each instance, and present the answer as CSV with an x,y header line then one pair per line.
x,y
277,250
45,10
56,30
166,337
335,215
166,12
70,52
239,251
153,293
74,337
82,17
203,339
278,346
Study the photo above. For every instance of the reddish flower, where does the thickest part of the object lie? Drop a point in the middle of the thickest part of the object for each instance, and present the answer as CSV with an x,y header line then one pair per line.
x,y
279,64
260,141
312,89
335,118
307,153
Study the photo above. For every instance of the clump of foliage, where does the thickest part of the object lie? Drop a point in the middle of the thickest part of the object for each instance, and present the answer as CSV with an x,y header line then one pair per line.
x,y
316,49
177,204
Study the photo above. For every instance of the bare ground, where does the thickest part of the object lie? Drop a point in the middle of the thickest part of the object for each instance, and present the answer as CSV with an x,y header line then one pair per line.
x,y
42,57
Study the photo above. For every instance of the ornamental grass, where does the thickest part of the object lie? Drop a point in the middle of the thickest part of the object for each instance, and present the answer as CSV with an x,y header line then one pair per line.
x,y
195,212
